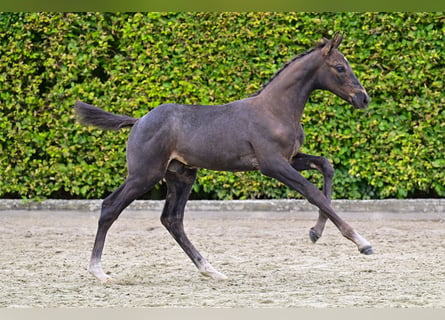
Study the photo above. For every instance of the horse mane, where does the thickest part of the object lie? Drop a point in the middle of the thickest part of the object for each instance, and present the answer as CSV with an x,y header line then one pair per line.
x,y
320,44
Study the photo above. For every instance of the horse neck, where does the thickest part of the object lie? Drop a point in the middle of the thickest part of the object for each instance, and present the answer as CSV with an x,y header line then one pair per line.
x,y
288,93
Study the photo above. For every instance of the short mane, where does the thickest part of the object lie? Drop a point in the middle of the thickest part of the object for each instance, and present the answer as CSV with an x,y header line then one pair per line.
x,y
317,46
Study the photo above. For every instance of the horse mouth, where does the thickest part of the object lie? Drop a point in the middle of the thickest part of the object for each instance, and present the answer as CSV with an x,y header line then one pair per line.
x,y
360,100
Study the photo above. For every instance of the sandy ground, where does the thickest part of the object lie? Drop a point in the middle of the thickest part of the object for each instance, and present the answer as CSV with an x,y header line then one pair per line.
x,y
267,256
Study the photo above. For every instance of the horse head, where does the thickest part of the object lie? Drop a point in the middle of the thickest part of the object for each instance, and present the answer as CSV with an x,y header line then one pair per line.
x,y
336,75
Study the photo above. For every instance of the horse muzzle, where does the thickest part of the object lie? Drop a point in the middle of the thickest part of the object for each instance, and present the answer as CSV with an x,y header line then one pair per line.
x,y
360,100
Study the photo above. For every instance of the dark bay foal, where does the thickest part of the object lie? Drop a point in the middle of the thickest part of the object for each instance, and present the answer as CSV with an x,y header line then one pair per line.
x,y
262,132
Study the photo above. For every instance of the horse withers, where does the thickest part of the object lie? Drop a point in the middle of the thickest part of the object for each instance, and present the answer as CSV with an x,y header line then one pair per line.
x,y
262,132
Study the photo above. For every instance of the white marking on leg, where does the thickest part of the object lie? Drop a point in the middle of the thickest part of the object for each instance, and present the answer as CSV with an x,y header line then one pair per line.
x,y
360,241
97,271
207,270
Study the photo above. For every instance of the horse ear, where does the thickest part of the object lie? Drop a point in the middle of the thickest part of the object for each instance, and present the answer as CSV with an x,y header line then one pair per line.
x,y
332,44
337,39
328,44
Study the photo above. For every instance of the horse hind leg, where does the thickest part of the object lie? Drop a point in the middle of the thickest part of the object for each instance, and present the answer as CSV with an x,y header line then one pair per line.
x,y
179,181
303,162
112,206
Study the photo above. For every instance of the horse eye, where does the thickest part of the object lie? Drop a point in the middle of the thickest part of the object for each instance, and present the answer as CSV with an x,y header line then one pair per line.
x,y
340,68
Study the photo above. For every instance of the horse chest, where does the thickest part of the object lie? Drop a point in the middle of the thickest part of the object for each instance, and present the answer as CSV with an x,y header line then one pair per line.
x,y
294,147
288,139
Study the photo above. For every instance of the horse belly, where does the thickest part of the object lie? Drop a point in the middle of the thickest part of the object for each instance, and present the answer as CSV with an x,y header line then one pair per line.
x,y
217,158
214,138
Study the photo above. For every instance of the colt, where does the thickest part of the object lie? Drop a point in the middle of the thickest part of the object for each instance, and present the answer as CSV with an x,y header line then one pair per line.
x,y
262,132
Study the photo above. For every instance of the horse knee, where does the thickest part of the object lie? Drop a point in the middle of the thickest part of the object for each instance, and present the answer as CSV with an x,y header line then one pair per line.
x,y
327,168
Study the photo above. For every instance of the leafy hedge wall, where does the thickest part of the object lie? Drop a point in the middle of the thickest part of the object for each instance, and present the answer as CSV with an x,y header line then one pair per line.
x,y
131,62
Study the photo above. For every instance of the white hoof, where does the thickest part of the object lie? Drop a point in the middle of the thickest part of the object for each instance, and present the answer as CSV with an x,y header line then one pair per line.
x,y
208,271
97,271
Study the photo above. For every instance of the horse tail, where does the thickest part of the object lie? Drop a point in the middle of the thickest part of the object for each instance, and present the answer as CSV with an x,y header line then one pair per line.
x,y
93,116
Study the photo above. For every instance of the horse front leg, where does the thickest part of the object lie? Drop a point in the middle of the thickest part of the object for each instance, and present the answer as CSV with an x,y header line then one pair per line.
x,y
281,170
303,162
179,181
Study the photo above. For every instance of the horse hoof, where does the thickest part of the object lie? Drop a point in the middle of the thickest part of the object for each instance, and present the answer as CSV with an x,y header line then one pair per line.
x,y
215,275
313,235
96,270
208,271
367,250
106,281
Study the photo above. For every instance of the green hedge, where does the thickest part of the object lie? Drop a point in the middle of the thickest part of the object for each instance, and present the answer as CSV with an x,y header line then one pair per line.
x,y
131,62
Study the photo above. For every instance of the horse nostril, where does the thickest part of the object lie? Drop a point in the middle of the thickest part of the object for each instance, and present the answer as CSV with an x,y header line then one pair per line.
x,y
366,99
360,100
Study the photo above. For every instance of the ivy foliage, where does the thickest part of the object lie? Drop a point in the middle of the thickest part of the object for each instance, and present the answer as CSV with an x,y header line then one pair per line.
x,y
129,63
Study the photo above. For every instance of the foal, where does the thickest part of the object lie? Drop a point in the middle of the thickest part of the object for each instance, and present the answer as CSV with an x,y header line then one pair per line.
x,y
262,132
